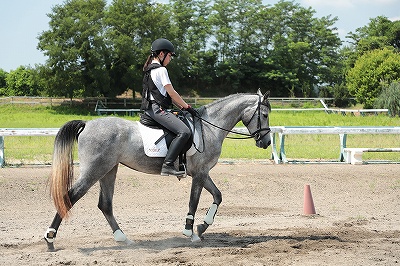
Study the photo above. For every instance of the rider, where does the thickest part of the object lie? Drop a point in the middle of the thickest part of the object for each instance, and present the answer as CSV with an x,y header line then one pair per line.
x,y
158,96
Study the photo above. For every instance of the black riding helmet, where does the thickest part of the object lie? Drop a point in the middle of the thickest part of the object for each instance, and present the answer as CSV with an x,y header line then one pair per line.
x,y
162,45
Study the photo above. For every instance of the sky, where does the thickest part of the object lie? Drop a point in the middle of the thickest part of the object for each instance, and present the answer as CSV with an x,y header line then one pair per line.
x,y
21,21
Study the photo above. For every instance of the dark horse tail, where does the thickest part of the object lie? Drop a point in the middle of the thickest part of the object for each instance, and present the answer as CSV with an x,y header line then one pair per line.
x,y
62,168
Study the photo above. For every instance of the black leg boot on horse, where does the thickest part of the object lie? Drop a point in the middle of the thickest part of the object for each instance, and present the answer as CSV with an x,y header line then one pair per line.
x,y
168,167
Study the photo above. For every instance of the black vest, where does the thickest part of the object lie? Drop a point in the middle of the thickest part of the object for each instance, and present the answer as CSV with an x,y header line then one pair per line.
x,y
150,88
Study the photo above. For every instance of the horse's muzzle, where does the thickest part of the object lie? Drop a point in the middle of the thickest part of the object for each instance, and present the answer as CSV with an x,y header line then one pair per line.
x,y
263,143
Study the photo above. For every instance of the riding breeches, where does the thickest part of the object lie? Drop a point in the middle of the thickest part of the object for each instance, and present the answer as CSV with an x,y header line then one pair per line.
x,y
173,124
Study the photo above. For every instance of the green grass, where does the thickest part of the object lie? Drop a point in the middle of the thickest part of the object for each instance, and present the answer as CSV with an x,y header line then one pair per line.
x,y
325,147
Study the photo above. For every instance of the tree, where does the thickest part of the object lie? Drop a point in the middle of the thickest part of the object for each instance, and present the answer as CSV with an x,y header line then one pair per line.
x,y
300,49
370,70
379,33
230,21
390,98
132,25
24,81
76,48
196,64
3,84
223,46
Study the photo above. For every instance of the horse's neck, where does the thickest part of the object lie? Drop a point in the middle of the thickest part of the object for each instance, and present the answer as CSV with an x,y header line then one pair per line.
x,y
228,111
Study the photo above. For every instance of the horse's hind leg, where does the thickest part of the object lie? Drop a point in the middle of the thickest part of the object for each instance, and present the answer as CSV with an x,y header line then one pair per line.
x,y
77,191
107,184
217,196
50,234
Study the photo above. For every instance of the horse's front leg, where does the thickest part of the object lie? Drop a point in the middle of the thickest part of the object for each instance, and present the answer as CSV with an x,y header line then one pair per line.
x,y
217,196
198,181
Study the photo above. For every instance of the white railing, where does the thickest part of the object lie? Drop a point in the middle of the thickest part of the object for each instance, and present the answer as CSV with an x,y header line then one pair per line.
x,y
22,132
278,155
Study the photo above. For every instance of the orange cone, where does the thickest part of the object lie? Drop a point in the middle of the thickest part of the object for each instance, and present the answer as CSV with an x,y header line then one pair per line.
x,y
308,201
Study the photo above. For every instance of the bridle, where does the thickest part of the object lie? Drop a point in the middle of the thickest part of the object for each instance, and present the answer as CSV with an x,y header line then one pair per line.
x,y
257,135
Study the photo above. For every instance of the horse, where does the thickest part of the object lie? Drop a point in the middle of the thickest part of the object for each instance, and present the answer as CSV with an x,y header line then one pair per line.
x,y
106,142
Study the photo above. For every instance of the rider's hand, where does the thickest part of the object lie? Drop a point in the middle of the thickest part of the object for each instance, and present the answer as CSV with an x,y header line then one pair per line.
x,y
191,110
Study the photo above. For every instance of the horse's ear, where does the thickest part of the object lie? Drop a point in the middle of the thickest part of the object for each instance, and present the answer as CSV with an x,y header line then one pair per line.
x,y
266,95
259,92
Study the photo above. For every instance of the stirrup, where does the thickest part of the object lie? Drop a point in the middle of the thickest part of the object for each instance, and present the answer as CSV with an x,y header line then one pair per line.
x,y
167,170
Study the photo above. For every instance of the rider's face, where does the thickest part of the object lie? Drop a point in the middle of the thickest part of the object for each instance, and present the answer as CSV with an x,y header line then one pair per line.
x,y
167,59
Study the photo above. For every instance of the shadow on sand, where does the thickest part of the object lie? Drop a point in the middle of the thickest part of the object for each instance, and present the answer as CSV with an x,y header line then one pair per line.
x,y
211,240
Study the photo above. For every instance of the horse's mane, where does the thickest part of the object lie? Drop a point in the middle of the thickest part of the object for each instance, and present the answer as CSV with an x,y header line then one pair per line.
x,y
216,102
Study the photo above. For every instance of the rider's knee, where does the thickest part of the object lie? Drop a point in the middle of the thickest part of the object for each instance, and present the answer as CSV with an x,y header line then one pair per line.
x,y
185,134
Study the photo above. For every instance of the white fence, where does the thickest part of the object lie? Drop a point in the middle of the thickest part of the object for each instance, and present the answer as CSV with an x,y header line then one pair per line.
x,y
22,132
278,155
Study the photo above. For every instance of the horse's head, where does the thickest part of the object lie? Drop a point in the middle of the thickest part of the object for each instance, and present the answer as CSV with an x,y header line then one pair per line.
x,y
256,119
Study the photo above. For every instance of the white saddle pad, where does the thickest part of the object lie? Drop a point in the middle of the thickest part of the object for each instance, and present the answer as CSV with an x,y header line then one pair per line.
x,y
151,135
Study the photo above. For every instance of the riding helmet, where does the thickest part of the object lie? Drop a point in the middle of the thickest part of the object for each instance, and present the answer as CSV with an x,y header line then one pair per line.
x,y
162,44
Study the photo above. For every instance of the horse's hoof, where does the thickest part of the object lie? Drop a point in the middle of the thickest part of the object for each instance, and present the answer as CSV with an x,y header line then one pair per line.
x,y
201,228
50,246
195,238
128,242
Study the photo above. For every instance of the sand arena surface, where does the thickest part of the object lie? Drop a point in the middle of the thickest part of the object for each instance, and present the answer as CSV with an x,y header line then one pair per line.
x,y
259,222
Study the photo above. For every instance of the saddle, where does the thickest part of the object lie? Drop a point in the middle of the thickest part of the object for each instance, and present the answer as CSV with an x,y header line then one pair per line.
x,y
157,139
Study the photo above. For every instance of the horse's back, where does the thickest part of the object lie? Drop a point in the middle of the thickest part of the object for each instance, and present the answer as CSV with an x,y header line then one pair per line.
x,y
108,129
109,135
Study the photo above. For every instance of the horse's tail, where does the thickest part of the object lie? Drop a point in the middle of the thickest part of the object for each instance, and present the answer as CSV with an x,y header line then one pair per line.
x,y
62,169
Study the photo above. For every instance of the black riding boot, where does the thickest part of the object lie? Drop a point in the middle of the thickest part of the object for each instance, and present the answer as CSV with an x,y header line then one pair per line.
x,y
169,169
175,148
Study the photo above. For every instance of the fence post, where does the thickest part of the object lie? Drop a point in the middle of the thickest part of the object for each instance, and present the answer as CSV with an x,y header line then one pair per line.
x,y
343,140
1,151
282,152
274,154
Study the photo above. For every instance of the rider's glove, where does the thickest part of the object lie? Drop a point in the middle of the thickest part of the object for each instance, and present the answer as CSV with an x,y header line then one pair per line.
x,y
191,110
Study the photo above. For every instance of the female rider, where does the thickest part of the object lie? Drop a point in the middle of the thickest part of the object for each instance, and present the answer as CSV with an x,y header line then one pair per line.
x,y
158,96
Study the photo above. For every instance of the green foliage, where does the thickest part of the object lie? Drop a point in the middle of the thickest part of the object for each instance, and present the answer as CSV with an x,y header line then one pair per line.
x,y
131,27
24,81
224,46
76,49
340,94
3,75
390,98
378,34
372,68
304,49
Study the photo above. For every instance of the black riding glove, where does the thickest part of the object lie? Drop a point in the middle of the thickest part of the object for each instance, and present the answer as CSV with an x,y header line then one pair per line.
x,y
191,111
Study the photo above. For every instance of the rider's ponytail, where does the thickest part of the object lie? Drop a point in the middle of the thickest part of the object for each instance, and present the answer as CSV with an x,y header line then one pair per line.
x,y
148,61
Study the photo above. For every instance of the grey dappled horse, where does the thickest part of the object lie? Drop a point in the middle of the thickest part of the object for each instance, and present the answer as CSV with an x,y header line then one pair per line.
x,y
104,143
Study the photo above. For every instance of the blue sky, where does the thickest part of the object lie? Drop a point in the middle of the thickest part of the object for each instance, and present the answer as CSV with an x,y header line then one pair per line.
x,y
23,20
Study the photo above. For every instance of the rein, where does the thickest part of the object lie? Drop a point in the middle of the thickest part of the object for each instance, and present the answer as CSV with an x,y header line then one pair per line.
x,y
247,136
257,134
